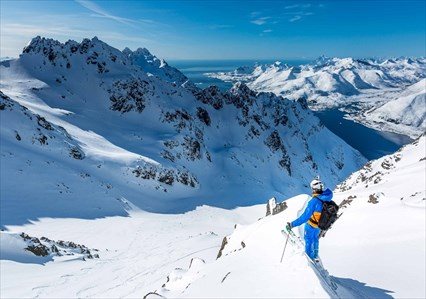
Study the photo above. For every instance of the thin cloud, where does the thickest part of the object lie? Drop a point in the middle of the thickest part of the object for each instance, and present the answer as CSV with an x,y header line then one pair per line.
x,y
100,12
260,21
295,18
291,6
307,5
267,30
29,31
298,11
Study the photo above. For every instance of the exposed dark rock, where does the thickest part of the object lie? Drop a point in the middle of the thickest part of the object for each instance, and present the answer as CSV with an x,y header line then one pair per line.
x,y
171,144
166,177
272,207
168,155
192,148
373,198
285,162
77,153
346,202
186,179
145,173
128,95
211,95
386,164
180,118
39,249
339,165
204,116
274,141
222,247
44,247
17,136
42,122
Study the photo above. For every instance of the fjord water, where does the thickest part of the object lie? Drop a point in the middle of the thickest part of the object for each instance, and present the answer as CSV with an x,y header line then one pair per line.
x,y
371,143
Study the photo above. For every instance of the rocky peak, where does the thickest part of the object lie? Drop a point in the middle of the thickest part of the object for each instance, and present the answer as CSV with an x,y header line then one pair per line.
x,y
241,89
94,51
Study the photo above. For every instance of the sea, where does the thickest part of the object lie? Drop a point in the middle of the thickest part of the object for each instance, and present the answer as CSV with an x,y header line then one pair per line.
x,y
371,143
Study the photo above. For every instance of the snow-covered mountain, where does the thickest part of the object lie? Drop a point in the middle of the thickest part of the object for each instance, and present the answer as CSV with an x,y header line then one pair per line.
x,y
405,113
114,130
375,250
361,84
159,67
328,77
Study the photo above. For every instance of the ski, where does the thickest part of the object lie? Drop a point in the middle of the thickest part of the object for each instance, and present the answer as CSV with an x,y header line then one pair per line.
x,y
317,266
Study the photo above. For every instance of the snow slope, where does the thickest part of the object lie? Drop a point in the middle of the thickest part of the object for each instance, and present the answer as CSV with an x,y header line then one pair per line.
x,y
250,267
375,250
141,138
380,238
135,252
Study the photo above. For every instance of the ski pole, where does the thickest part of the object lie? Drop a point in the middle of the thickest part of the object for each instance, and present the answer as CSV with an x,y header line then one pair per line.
x,y
285,245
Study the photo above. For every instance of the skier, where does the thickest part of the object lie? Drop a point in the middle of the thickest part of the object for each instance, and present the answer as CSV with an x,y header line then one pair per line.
x,y
311,217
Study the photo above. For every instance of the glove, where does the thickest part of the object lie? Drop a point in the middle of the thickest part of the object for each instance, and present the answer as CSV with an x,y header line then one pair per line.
x,y
288,226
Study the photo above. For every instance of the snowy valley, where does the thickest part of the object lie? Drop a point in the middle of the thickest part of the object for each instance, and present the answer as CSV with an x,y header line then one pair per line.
x,y
121,178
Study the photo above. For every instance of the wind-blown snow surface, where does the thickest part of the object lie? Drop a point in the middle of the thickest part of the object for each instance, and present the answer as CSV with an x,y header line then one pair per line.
x,y
375,250
380,238
250,267
364,84
88,130
135,253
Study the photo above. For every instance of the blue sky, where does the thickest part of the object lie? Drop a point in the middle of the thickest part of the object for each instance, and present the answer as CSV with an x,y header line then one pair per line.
x,y
225,29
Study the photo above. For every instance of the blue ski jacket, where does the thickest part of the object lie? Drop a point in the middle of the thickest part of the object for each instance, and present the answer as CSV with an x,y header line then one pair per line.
x,y
313,210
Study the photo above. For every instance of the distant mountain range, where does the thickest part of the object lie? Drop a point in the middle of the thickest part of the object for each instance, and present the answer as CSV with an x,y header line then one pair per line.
x,y
363,84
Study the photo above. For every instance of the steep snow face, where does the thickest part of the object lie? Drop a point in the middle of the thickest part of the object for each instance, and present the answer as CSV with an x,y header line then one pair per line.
x,y
380,237
404,113
372,251
152,142
360,84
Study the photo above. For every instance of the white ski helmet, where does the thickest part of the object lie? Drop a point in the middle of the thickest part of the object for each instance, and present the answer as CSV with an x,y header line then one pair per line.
x,y
317,185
